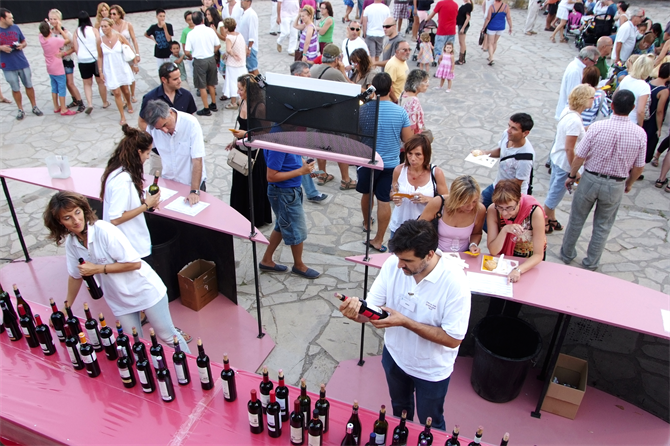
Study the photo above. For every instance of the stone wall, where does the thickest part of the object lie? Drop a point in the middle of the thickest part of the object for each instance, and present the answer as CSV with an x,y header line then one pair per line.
x,y
516,4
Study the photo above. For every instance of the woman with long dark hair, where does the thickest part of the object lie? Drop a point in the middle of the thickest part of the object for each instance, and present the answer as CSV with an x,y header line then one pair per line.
x,y
85,41
363,71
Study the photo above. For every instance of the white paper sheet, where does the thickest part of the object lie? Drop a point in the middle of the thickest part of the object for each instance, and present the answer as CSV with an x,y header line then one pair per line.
x,y
455,259
665,314
183,207
490,285
166,193
483,160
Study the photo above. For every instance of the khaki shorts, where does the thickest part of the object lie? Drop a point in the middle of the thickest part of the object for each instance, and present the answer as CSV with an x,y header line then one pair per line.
x,y
205,73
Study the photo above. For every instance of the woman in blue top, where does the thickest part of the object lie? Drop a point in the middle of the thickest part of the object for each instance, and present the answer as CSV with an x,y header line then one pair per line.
x,y
494,25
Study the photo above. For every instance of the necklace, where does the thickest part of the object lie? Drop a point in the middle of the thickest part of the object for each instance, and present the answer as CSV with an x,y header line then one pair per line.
x,y
414,177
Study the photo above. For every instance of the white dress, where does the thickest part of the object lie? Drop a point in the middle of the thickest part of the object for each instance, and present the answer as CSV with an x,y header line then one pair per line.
x,y
234,67
117,72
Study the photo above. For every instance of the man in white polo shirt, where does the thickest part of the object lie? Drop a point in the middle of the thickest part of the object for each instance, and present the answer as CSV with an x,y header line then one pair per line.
x,y
372,22
201,44
178,138
428,303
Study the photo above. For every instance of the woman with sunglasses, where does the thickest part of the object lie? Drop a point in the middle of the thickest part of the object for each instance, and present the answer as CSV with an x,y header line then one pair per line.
x,y
309,37
115,72
125,28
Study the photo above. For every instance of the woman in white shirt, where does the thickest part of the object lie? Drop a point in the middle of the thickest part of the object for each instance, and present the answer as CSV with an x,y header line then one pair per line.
x,y
85,41
128,283
636,82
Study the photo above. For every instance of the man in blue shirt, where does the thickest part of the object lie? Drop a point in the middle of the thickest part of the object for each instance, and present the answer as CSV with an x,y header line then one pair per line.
x,y
13,62
169,91
393,128
284,172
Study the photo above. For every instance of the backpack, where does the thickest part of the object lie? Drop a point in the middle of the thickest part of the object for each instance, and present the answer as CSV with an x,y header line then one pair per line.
x,y
523,157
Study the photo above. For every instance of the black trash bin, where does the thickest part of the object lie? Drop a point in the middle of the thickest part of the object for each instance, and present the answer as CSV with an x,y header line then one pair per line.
x,y
166,257
504,349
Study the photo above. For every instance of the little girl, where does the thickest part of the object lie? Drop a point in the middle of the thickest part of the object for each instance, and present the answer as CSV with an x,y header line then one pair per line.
x,y
425,56
446,68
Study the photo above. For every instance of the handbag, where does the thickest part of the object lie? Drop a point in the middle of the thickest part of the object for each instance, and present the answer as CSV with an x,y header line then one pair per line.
x,y
438,215
240,162
128,53
297,56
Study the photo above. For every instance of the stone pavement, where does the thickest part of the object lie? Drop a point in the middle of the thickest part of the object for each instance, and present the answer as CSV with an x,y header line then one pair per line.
x,y
300,315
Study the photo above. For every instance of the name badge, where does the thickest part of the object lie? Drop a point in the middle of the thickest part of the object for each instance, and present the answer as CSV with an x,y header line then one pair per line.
x,y
407,302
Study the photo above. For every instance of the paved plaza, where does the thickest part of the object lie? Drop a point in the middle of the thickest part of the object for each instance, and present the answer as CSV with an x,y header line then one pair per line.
x,y
301,315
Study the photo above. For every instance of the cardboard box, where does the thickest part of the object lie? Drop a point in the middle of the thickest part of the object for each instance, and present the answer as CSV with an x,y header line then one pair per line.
x,y
197,284
562,400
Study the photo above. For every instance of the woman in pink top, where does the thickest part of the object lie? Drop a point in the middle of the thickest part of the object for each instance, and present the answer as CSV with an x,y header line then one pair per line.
x,y
236,61
54,62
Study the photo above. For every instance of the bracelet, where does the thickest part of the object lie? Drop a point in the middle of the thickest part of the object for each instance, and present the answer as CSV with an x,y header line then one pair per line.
x,y
572,177
473,243
104,269
146,206
517,269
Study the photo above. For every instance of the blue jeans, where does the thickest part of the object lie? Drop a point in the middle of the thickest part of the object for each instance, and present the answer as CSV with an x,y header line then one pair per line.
x,y
440,41
286,203
310,189
556,186
487,199
429,395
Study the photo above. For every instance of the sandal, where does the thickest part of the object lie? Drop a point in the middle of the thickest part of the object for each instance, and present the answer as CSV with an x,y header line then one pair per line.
x,y
555,225
548,229
187,337
106,104
667,188
5,101
372,222
660,183
133,99
347,185
655,161
230,106
321,180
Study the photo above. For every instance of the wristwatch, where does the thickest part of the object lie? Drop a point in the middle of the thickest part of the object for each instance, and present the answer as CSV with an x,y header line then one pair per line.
x,y
572,177
194,191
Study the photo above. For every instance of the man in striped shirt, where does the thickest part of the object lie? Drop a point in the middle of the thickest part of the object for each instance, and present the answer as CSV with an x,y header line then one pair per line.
x,y
612,152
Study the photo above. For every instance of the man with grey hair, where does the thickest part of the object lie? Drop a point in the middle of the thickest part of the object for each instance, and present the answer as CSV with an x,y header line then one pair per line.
x,y
626,36
300,69
178,138
587,57
397,68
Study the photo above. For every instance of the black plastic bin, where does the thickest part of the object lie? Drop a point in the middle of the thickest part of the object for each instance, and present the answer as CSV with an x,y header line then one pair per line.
x,y
504,349
165,252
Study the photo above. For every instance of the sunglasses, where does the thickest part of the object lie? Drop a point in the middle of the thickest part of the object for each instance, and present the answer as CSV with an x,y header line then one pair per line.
x,y
388,26
172,68
355,29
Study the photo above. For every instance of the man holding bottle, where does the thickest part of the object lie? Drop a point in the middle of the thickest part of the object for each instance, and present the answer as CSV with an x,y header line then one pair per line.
x,y
428,305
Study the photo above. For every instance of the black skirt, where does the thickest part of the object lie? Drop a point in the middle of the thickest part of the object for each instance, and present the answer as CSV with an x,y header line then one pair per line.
x,y
239,193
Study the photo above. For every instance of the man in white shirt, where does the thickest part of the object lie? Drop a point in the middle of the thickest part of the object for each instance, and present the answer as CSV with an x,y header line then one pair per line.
x,y
248,27
178,138
232,9
201,44
587,57
626,36
353,42
427,299
373,27
287,10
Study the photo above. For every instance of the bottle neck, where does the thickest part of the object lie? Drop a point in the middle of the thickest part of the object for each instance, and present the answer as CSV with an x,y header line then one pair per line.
x,y
226,365
154,341
54,308
87,311
303,391
201,350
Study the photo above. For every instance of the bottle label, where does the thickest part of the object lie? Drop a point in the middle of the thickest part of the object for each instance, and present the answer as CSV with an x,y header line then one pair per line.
x,y
9,333
88,359
314,440
226,389
137,358
204,376
60,334
143,376
93,337
373,312
73,357
296,435
477,440
164,391
380,439
108,341
45,348
181,376
323,420
124,372
253,419
25,331
271,422
305,416
155,361
265,399
282,404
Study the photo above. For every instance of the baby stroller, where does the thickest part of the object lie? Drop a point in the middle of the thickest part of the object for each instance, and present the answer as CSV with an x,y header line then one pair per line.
x,y
593,29
430,27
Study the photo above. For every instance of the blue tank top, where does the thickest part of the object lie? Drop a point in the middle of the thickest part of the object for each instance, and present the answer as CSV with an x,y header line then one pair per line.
x,y
497,22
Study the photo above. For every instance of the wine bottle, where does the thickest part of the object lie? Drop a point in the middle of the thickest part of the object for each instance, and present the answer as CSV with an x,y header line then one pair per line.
x,y
381,426
93,288
71,342
505,439
156,349
297,422
395,440
180,364
164,381
401,429
305,402
27,327
282,396
264,388
373,440
125,368
91,326
153,188
138,345
372,312
22,301
322,405
88,356
72,321
478,437
57,320
228,378
255,411
204,369
2,321
124,341
315,430
4,297
43,335
144,372
353,419
453,441
107,339
273,411
427,434
423,443
10,323
349,439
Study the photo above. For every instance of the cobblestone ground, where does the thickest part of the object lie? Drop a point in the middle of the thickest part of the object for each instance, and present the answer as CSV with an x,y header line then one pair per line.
x,y
300,315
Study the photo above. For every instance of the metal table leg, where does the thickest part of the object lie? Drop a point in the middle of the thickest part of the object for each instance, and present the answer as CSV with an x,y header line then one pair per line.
x,y
16,221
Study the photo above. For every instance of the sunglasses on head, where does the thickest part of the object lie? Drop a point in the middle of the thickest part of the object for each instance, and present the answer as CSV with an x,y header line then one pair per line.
x,y
355,29
173,67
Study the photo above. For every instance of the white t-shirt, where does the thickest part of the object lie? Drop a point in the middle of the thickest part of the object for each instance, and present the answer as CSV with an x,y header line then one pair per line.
x,y
236,14
627,35
248,27
289,9
178,150
512,169
351,46
639,88
201,42
569,125
121,196
127,292
571,78
376,14
441,299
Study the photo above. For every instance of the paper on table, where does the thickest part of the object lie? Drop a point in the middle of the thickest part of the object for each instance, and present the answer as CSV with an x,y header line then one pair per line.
x,y
482,160
455,258
183,207
166,193
665,314
491,285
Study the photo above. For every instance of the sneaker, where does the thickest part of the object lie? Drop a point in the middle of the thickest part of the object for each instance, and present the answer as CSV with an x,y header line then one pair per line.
x,y
318,199
20,115
68,113
37,111
213,107
73,104
279,48
204,112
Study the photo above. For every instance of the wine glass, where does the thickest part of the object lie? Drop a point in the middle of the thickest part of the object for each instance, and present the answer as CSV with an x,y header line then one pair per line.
x,y
455,244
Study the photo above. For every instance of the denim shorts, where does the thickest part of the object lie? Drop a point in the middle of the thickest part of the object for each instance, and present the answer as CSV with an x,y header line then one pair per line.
x,y
12,78
557,188
286,204
58,84
252,60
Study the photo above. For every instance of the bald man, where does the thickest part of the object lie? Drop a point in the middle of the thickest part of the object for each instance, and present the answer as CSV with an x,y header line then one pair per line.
x,y
605,46
391,32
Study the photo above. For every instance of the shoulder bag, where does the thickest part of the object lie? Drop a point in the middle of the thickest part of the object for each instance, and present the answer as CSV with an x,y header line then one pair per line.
x,y
482,34
523,157
239,160
128,53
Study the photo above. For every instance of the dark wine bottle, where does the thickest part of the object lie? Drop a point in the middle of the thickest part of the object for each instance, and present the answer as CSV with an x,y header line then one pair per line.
x,y
255,411
125,368
72,321
2,321
395,440
164,381
10,323
92,332
144,372
401,429
305,402
204,369
156,349
381,426
372,312
353,419
373,440
282,396
228,378
478,437
4,297
44,338
27,327
426,434
57,320
423,443
153,188
297,422
453,440
349,439
315,430
88,357
93,288
505,439
124,341
107,339
180,364
71,345
264,388
20,300
138,345
322,405
273,411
